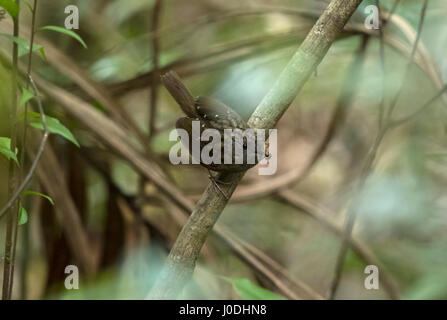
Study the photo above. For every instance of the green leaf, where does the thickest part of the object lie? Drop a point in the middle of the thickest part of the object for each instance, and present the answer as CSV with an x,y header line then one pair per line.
x,y
23,216
29,192
54,126
42,52
247,290
11,7
26,96
5,149
67,32
24,46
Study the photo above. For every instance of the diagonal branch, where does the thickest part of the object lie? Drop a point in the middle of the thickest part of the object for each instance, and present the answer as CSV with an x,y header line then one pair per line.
x,y
181,261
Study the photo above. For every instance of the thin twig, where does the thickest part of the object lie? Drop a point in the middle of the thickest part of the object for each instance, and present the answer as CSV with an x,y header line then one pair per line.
x,y
23,144
411,60
28,73
153,85
32,169
11,222
382,65
153,92
399,122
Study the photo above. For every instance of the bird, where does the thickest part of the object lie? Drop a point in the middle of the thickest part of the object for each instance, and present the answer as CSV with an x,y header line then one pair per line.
x,y
210,113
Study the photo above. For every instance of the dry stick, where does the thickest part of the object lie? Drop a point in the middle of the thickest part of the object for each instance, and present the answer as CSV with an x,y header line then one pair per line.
x,y
182,258
22,157
153,92
352,209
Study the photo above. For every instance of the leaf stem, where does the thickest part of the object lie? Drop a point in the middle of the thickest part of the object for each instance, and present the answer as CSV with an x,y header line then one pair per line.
x,y
11,223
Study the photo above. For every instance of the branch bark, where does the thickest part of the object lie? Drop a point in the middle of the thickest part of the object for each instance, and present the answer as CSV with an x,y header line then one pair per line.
x,y
183,256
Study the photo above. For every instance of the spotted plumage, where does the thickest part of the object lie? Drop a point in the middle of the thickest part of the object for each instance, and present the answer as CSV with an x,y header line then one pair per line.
x,y
213,114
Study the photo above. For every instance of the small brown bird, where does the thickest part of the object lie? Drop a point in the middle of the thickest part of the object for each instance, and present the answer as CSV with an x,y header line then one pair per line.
x,y
213,114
